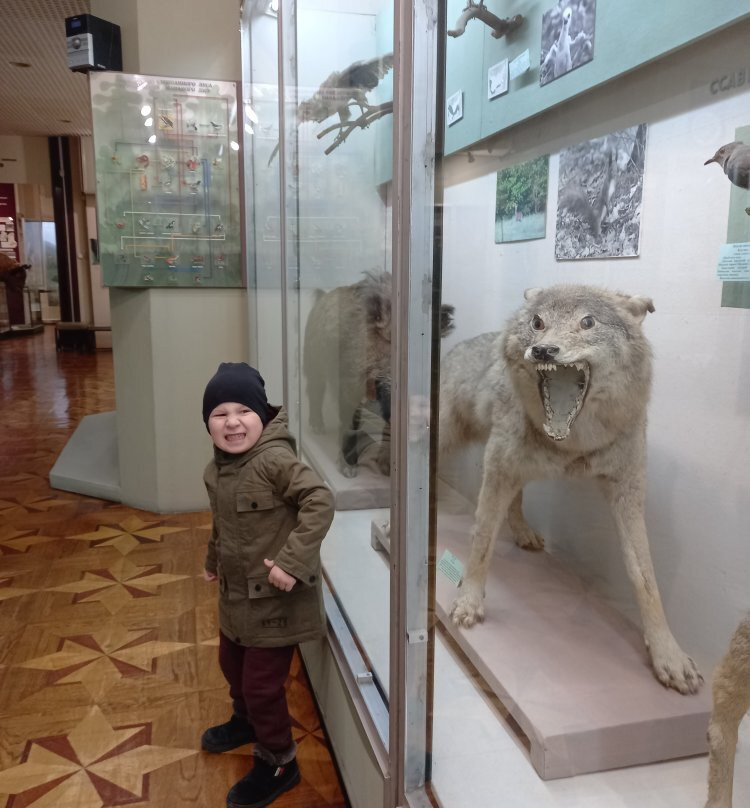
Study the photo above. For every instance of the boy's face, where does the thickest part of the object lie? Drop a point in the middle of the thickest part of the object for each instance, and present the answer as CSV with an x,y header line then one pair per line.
x,y
234,427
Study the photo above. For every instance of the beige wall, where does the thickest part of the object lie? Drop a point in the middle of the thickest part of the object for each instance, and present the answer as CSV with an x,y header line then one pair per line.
x,y
24,160
184,38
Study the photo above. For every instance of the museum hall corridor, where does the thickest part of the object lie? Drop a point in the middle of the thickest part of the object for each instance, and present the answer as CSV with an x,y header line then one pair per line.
x,y
108,634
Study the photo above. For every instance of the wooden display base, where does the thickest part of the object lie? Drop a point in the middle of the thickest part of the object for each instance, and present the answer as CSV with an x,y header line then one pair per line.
x,y
572,671
369,489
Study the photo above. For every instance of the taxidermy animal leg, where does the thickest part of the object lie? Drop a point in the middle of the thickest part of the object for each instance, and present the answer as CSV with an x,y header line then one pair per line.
x,y
731,694
672,666
495,496
525,536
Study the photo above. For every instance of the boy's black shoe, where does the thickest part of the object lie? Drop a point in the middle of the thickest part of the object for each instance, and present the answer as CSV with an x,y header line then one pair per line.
x,y
229,735
265,782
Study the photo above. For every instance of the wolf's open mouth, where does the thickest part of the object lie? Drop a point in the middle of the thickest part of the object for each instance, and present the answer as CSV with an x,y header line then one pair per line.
x,y
563,389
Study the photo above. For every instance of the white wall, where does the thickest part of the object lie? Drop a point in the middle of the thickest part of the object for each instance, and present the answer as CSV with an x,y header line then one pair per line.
x,y
699,441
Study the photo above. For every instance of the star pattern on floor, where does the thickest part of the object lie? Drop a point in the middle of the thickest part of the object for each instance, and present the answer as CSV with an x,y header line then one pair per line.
x,y
19,541
7,591
118,585
125,536
32,503
94,766
99,660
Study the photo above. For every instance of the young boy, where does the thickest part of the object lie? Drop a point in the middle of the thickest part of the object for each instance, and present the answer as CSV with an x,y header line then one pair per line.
x,y
270,514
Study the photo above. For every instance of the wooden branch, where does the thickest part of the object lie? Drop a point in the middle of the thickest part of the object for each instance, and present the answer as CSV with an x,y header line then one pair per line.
x,y
370,114
500,27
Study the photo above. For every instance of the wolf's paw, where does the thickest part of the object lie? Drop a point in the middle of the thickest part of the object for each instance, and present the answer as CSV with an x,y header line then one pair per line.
x,y
527,538
674,668
467,610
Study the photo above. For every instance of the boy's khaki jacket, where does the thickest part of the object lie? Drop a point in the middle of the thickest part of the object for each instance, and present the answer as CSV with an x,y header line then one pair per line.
x,y
267,504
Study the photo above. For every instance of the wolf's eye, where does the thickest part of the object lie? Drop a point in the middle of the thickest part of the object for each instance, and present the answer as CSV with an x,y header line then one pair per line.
x,y
588,322
537,323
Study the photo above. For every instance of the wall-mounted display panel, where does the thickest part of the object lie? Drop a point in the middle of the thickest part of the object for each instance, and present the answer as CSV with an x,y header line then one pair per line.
x,y
563,49
167,172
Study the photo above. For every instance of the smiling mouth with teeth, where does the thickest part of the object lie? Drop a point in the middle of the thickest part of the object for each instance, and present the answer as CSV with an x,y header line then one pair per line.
x,y
563,389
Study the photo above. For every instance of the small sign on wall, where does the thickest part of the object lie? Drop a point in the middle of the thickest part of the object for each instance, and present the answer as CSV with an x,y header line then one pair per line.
x,y
454,108
497,79
520,64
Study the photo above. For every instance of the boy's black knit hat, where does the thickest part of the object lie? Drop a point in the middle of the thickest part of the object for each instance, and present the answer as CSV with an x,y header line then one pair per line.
x,y
236,381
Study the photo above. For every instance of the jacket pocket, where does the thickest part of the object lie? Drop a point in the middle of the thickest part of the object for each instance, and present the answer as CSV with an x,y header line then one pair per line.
x,y
259,587
256,499
276,613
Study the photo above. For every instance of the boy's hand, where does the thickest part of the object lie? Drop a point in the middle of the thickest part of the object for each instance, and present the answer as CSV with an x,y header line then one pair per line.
x,y
209,576
278,578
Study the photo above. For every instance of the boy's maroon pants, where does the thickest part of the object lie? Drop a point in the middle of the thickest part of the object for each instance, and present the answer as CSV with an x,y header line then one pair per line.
x,y
256,679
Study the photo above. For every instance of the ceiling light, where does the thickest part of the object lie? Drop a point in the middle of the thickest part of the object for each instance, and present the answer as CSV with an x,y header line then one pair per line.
x,y
145,110
152,139
148,122
234,145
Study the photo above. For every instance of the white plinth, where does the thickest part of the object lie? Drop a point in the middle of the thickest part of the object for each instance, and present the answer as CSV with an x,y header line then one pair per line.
x,y
570,670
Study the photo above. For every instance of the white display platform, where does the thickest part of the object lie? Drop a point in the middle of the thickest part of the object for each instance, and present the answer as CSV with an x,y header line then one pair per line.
x,y
571,671
88,463
369,489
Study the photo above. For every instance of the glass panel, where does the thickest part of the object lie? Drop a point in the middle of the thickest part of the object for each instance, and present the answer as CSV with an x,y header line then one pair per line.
x,y
564,678
40,247
344,63
330,144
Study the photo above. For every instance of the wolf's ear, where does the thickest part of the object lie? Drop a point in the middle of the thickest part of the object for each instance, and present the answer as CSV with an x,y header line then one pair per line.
x,y
638,306
532,293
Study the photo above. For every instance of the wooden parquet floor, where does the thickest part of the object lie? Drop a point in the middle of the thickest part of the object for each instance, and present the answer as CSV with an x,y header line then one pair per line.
x,y
108,634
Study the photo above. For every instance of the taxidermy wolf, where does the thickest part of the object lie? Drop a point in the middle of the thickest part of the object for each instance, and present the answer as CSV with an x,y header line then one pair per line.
x,y
731,695
562,391
347,349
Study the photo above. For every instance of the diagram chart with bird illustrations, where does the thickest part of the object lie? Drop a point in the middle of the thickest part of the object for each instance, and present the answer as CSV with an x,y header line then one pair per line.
x,y
167,174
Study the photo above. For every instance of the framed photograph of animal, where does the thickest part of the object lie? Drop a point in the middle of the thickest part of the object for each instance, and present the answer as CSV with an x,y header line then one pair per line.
x,y
567,38
600,196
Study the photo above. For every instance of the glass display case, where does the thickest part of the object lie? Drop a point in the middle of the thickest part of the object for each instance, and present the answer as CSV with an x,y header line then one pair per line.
x,y
515,276
167,171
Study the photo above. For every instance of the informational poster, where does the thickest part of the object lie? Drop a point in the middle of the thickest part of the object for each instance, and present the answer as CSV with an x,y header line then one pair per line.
x,y
167,172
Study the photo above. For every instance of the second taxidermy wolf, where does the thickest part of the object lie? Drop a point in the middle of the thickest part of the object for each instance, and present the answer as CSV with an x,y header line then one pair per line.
x,y
731,696
562,391
347,349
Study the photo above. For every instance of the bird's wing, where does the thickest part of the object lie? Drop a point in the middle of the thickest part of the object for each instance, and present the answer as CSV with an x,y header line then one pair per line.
x,y
367,73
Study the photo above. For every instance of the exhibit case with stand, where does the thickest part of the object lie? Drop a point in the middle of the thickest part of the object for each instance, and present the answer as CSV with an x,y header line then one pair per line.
x,y
496,251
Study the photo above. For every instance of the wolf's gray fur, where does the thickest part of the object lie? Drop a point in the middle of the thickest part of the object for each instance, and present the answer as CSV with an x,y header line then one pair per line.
x,y
731,695
562,391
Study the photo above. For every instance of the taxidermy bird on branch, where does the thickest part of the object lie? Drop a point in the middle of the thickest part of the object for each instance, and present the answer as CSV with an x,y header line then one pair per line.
x,y
341,91
500,27
734,158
